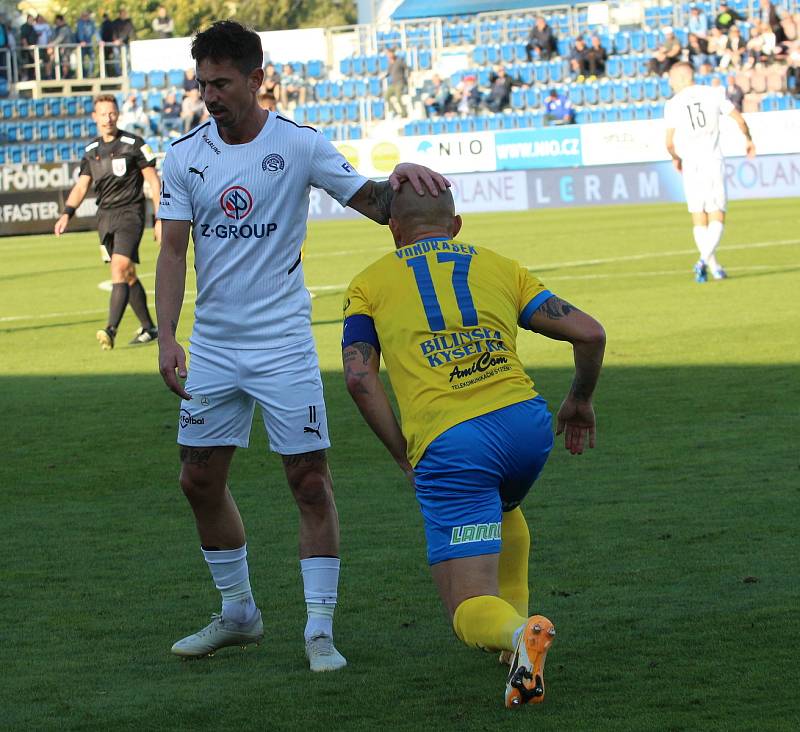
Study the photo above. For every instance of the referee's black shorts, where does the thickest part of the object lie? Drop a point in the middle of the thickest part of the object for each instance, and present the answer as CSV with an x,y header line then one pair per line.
x,y
121,229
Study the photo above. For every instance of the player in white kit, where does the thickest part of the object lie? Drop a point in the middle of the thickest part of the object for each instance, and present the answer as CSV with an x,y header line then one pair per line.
x,y
692,119
240,184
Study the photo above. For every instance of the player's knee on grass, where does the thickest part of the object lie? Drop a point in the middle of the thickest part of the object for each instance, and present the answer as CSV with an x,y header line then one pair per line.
x,y
201,485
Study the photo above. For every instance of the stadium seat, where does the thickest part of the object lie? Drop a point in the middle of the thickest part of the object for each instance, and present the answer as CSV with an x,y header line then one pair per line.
x,y
483,77
622,43
641,111
437,127
155,101
352,112
605,92
13,133
23,107
451,125
583,116
651,90
32,154
521,53
314,68
75,128
375,86
348,89
532,97
517,99
664,87
636,90
479,55
525,73
651,40
541,72
312,114
322,91
7,109
299,115
614,67
556,70
137,80
425,60
336,90
325,113
27,132
48,153
612,114
338,112
3,87
629,66
637,41
60,129
480,124
63,151
39,108
424,127
175,77
576,95
626,112
14,154
346,66
507,53
359,66
591,94
157,79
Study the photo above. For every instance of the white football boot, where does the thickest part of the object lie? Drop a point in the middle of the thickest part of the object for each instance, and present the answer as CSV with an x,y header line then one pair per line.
x,y
322,655
218,634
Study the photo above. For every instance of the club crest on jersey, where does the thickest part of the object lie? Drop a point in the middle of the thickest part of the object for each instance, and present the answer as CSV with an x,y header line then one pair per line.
x,y
236,202
273,164
118,166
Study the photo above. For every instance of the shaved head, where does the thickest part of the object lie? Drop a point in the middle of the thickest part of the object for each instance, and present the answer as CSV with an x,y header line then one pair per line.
x,y
681,75
412,215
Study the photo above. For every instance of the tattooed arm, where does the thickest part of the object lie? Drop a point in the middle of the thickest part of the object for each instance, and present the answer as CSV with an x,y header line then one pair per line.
x,y
361,363
170,286
374,200
557,319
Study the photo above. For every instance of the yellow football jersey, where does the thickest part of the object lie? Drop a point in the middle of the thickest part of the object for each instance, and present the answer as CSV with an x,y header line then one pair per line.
x,y
446,315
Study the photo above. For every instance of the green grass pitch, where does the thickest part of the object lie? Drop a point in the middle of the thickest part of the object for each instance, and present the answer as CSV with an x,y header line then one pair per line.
x,y
667,558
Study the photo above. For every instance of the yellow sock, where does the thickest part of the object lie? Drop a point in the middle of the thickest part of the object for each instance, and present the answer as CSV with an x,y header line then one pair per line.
x,y
513,563
487,622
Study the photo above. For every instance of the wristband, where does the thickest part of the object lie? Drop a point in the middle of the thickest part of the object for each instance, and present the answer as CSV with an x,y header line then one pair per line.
x,y
69,210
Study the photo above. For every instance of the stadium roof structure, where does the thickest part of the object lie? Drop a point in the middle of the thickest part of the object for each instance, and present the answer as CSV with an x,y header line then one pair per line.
x,y
411,9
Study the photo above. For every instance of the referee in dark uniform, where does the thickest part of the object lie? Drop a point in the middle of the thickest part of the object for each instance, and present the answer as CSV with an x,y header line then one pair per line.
x,y
118,163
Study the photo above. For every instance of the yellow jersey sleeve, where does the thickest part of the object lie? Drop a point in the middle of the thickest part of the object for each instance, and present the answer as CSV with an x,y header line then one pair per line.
x,y
532,293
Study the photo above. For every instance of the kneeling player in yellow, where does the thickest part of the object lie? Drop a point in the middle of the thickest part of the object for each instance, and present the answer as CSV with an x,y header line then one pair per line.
x,y
475,434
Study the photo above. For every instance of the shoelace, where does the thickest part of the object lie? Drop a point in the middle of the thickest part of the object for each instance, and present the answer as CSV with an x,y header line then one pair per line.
x,y
322,645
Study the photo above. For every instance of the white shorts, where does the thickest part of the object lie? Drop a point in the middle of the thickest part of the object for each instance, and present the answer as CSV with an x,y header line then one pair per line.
x,y
226,383
704,185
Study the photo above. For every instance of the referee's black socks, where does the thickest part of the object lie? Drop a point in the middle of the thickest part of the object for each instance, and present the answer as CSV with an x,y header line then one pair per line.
x,y
138,301
119,299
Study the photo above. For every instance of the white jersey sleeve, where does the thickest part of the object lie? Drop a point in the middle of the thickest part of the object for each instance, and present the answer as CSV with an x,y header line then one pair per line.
x,y
331,171
175,201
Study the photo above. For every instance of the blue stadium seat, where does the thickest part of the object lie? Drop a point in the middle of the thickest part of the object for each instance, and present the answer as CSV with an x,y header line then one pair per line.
x,y
352,112
451,124
576,95
664,87
14,154
330,133
626,112
605,92
137,80
3,86
48,153
90,128
348,89
493,122
509,120
60,129
614,67
521,53
39,108
54,107
314,68
636,90
591,94
325,114
32,154
564,47
483,77
338,112
507,53
637,41
354,131
27,131
620,91
175,77
410,129
375,86
532,97
651,40
517,99
75,128
378,109
63,152
7,109
155,101
629,66
425,59
480,124
424,127
612,114
312,114
479,55
525,73
641,111
322,91
361,88
300,115
656,110
622,42
336,90
346,66
13,133
651,90
437,127
583,116
157,79
359,67
556,70
541,72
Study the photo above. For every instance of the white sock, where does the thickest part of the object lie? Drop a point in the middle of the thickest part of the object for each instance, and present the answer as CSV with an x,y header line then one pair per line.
x,y
229,571
712,242
320,582
515,638
700,239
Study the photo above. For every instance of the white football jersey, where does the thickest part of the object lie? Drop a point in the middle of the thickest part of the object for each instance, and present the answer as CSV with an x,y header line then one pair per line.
x,y
694,114
248,205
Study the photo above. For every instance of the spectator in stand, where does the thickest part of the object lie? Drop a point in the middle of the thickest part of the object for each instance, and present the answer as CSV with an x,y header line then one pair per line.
x,y
727,17
397,83
163,26
558,109
62,35
698,22
86,36
762,46
293,90
734,50
44,34
27,39
270,91
596,57
500,84
132,117
543,40
792,47
109,51
698,52
124,33
466,96
666,55
716,43
189,80
768,14
438,97
192,109
578,59
171,121
734,93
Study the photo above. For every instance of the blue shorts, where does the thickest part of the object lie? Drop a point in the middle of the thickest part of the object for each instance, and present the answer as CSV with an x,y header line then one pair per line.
x,y
476,470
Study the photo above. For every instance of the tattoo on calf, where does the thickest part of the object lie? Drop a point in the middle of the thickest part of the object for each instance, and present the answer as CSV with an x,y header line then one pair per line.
x,y
556,308
305,459
196,455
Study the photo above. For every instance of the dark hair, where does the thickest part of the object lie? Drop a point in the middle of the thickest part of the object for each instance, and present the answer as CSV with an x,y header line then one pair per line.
x,y
105,98
227,40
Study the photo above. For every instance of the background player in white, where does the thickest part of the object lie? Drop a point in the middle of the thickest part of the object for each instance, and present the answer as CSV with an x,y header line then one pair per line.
x,y
240,183
692,118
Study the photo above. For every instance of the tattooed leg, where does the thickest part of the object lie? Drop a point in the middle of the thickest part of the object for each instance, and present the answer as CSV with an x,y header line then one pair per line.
x,y
312,487
204,476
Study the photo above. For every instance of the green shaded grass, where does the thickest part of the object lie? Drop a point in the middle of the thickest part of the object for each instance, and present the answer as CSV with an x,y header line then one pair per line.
x,y
667,557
